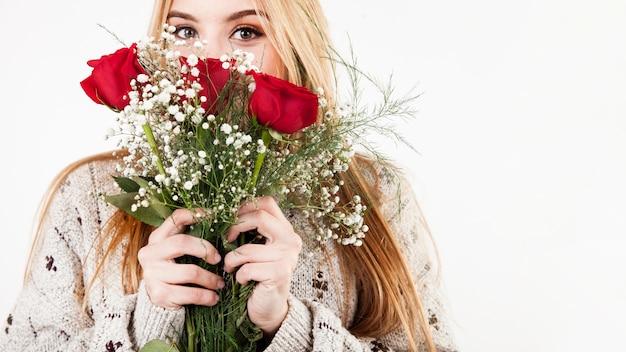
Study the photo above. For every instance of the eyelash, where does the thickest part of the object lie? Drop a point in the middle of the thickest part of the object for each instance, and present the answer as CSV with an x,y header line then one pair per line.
x,y
182,28
255,32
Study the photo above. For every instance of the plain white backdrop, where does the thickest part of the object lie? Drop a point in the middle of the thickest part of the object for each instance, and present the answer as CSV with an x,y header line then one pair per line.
x,y
521,133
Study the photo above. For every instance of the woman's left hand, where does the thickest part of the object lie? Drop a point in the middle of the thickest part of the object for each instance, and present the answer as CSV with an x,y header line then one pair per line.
x,y
270,265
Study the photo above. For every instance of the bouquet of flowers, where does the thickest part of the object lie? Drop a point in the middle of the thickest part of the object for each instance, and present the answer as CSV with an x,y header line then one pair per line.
x,y
210,134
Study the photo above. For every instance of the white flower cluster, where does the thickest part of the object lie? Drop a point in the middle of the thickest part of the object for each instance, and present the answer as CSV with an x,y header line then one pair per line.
x,y
239,60
312,173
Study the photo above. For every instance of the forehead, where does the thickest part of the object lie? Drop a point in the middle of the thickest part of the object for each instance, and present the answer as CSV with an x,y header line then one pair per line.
x,y
211,7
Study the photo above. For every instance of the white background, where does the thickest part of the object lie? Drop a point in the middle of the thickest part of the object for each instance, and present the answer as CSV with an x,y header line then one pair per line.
x,y
521,130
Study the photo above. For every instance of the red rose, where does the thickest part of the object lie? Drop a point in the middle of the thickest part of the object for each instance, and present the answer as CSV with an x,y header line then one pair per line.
x,y
281,105
109,83
213,77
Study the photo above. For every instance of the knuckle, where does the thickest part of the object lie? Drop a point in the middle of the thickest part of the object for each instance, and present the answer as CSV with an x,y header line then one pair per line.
x,y
212,298
284,272
179,211
156,294
203,296
266,202
191,274
155,236
297,241
214,280
181,217
211,251
145,255
197,295
265,199
141,255
243,273
177,241
178,244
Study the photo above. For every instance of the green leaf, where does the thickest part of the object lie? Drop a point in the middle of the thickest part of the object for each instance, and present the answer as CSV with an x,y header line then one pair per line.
x,y
127,184
153,215
275,134
141,182
158,346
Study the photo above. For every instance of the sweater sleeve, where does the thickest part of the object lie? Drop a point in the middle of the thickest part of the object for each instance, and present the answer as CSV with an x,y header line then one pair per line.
x,y
48,314
312,326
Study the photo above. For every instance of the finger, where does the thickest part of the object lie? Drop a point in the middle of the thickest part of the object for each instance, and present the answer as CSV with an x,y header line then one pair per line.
x,y
245,254
266,273
184,274
265,223
175,296
247,211
255,253
178,245
174,224
266,203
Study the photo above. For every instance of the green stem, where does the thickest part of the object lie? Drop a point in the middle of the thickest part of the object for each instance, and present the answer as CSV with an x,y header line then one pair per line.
x,y
191,335
155,150
152,142
266,137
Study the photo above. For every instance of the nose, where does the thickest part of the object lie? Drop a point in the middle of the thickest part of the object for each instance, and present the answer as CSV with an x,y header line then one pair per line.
x,y
215,46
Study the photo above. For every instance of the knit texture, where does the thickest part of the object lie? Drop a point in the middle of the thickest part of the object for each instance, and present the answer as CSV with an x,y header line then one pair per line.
x,y
48,315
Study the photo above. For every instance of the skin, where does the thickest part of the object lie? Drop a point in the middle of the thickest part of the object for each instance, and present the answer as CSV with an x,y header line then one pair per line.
x,y
225,25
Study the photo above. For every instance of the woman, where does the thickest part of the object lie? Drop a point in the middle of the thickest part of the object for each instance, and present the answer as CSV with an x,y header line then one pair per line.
x,y
98,280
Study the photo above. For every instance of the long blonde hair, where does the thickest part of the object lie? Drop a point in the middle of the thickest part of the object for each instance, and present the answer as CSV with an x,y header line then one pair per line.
x,y
388,297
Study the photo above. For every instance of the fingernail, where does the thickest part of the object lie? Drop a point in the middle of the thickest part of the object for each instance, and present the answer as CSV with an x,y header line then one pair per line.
x,y
221,284
218,258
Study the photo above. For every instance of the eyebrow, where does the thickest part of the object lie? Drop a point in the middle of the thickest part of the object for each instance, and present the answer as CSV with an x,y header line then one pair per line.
x,y
183,15
232,17
241,14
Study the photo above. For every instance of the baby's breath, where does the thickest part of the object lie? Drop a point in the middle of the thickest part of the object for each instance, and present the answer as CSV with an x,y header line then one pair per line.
x,y
215,173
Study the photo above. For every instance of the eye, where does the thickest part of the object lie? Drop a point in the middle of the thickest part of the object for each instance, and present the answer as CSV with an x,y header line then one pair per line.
x,y
185,32
246,33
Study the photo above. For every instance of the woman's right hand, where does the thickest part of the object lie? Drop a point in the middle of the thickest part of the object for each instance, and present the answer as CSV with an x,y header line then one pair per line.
x,y
164,279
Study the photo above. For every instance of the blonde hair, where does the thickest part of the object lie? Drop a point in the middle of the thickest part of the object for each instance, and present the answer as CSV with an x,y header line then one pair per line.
x,y
388,298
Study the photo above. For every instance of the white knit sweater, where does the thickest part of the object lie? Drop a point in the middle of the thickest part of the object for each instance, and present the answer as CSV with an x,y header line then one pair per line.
x,y
48,316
